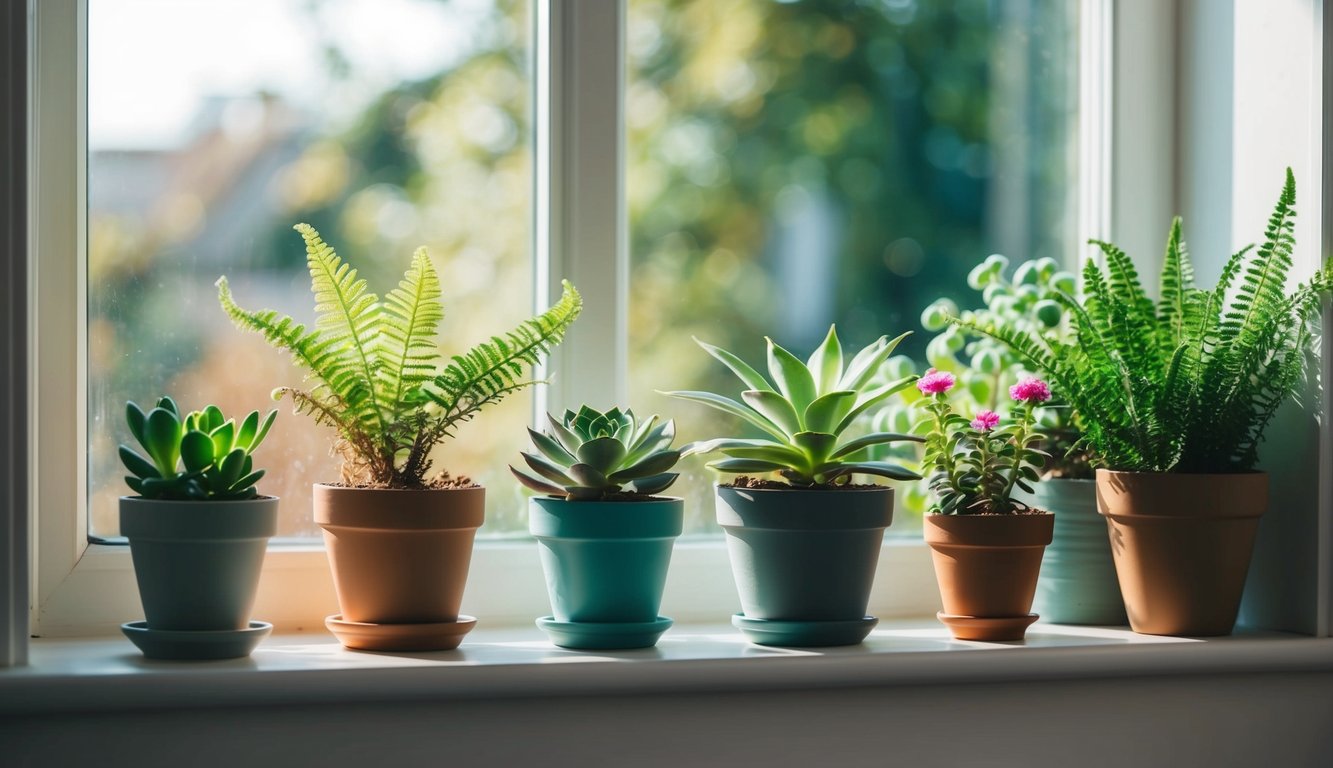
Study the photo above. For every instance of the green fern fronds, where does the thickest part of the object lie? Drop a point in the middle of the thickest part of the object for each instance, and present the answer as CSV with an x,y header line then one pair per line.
x,y
1189,382
375,365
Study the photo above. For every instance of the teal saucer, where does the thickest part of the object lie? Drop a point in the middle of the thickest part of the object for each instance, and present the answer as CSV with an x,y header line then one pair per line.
x,y
186,645
804,634
604,636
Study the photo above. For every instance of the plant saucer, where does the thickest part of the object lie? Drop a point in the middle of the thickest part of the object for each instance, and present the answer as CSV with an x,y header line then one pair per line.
x,y
604,635
987,629
195,645
367,636
804,634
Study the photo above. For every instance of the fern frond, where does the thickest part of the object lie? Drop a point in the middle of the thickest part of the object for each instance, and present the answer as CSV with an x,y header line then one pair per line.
x,y
491,370
407,349
349,315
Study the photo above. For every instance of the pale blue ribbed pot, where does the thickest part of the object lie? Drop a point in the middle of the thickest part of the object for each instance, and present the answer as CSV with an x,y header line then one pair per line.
x,y
1078,583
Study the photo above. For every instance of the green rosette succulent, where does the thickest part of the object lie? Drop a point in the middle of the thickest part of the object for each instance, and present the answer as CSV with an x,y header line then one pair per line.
x,y
201,457
592,455
805,410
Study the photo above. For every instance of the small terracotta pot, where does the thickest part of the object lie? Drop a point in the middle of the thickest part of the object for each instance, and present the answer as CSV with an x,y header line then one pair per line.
x,y
399,556
987,567
1182,546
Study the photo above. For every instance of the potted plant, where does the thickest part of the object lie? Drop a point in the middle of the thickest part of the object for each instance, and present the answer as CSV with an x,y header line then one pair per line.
x,y
197,529
1078,582
399,540
1174,396
804,547
985,543
604,535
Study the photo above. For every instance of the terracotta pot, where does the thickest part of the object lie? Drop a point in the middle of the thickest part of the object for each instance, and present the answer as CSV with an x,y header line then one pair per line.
x,y
1182,546
398,556
987,567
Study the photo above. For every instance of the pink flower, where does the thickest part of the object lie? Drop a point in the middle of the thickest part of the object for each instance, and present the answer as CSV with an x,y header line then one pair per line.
x,y
1031,390
985,420
935,382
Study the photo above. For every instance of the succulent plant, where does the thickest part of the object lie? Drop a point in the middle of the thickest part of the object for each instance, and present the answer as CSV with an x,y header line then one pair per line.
x,y
202,457
804,411
595,455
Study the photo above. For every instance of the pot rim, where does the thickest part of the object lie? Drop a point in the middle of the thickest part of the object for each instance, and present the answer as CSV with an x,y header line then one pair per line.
x,y
1246,473
210,502
876,488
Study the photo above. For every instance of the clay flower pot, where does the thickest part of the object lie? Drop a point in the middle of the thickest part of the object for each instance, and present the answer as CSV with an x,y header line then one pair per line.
x,y
804,560
400,561
1182,546
1078,583
197,564
606,566
987,567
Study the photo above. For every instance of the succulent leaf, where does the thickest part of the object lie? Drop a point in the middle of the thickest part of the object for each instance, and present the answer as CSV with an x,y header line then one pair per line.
x,y
775,408
794,380
602,453
137,464
825,363
748,375
162,434
196,451
828,411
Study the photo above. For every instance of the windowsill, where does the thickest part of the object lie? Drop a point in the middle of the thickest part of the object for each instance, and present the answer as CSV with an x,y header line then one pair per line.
x,y
110,675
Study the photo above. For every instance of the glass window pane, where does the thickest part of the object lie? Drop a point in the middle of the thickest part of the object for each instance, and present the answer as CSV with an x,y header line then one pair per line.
x,y
794,164
216,125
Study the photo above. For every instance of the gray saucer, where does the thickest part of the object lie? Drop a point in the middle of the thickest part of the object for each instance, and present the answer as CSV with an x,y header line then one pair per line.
x,y
183,645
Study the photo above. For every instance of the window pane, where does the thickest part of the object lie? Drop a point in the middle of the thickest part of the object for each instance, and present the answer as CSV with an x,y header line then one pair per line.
x,y
216,125
794,164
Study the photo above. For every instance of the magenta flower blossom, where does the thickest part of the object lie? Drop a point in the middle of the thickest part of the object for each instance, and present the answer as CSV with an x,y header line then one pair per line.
x,y
985,420
935,382
1031,390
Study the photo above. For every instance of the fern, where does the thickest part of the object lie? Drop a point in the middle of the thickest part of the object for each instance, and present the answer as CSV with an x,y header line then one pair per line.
x,y
1187,383
375,365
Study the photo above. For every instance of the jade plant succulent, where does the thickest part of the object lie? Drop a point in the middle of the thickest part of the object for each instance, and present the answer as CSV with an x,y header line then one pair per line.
x,y
593,455
805,411
201,457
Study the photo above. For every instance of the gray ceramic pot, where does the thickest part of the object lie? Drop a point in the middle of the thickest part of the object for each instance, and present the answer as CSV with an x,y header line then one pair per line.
x,y
1078,582
804,555
198,562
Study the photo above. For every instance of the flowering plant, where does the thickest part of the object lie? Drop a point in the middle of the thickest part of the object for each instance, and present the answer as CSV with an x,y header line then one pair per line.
x,y
976,464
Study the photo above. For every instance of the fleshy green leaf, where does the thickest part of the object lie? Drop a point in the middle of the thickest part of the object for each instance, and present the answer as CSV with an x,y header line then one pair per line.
x,y
774,408
827,411
792,377
749,376
196,451
826,363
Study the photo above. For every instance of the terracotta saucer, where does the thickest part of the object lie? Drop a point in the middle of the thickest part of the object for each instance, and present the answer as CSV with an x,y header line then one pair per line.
x,y
987,629
195,645
364,636
803,634
604,636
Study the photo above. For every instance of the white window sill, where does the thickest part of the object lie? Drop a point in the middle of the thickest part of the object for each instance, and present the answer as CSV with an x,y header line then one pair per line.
x,y
110,675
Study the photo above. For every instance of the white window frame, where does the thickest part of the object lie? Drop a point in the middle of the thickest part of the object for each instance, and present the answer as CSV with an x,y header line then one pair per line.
x,y
580,233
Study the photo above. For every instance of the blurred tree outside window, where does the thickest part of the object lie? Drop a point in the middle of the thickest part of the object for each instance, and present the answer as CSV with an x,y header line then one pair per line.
x,y
796,164
215,125
789,165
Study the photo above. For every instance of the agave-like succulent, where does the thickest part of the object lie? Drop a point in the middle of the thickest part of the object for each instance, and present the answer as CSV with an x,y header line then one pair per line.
x,y
595,455
203,457
806,409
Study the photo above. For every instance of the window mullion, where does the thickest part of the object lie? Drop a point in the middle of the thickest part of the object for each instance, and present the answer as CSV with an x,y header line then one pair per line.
x,y
579,199
14,422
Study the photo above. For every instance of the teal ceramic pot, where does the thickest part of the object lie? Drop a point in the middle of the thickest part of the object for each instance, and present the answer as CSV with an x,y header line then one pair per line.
x,y
1078,583
804,555
605,561
198,562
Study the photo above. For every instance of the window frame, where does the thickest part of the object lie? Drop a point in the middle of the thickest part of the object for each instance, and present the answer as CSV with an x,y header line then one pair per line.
x,y
581,233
